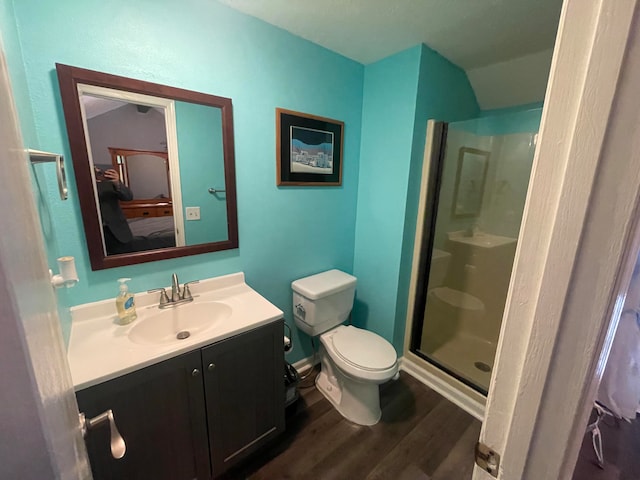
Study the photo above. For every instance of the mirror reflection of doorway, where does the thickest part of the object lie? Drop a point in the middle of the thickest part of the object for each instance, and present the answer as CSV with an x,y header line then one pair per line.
x,y
131,140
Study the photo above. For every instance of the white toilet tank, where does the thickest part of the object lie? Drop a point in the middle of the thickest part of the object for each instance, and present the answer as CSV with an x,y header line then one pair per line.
x,y
439,266
322,301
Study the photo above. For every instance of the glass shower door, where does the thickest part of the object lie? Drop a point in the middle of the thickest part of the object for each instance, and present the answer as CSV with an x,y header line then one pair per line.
x,y
475,214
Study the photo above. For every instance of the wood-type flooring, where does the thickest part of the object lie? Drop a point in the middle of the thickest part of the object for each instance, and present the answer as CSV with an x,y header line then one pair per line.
x,y
421,436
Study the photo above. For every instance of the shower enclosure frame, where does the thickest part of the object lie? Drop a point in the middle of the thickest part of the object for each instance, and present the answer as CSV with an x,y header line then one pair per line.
x,y
437,137
430,372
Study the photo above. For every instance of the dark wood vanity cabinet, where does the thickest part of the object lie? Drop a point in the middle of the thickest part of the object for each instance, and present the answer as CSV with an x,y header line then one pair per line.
x,y
192,416
160,413
245,393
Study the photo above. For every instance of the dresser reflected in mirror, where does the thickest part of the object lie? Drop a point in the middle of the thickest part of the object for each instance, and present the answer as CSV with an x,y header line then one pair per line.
x,y
154,167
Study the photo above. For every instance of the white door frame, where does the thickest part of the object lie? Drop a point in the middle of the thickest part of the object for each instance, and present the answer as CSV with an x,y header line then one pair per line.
x,y
577,244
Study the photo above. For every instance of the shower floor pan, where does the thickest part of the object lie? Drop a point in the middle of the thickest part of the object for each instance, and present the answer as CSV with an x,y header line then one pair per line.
x,y
469,357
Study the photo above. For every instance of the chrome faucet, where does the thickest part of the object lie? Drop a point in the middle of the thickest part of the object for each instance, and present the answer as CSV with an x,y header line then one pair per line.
x,y
178,296
175,288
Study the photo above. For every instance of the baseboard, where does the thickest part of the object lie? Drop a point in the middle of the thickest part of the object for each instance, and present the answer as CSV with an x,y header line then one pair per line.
x,y
461,399
306,363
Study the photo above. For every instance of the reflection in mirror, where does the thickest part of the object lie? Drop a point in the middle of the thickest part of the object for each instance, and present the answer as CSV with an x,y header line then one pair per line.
x,y
145,173
145,158
470,181
127,142
149,213
200,143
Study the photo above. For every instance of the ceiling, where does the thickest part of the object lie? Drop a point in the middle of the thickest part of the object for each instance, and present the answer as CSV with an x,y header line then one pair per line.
x,y
470,33
505,46
94,106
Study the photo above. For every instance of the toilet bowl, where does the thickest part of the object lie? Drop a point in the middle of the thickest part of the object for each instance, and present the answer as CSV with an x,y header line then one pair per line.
x,y
353,361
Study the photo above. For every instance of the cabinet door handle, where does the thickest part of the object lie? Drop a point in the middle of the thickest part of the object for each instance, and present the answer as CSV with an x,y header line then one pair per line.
x,y
195,372
118,447
211,367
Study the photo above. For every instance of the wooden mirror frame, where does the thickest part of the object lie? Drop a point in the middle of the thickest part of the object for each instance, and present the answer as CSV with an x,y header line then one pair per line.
x,y
68,78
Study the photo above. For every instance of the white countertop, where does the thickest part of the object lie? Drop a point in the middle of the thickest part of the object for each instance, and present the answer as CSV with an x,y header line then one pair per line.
x,y
100,349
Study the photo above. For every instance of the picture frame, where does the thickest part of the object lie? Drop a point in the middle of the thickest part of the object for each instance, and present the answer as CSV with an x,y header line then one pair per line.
x,y
308,149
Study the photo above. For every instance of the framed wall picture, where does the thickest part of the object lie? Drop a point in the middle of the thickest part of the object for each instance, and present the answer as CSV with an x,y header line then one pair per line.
x,y
308,149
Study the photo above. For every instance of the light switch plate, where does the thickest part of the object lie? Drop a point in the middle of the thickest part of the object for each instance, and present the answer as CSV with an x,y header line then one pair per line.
x,y
193,213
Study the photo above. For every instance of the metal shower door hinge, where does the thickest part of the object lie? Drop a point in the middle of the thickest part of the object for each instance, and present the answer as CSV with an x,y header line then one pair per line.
x,y
487,459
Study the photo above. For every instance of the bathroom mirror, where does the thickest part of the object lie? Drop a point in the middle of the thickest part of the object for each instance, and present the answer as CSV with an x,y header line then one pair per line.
x,y
154,167
471,177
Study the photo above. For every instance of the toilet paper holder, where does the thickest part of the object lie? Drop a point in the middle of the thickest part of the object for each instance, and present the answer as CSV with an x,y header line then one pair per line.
x,y
68,275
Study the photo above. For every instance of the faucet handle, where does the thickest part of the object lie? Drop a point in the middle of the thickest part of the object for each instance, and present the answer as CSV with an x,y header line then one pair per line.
x,y
164,299
186,293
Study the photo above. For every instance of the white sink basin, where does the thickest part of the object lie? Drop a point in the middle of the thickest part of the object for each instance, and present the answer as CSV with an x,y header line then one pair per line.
x,y
101,349
484,240
179,323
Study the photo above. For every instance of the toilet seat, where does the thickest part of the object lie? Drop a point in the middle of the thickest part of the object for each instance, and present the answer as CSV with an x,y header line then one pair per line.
x,y
364,349
457,299
360,353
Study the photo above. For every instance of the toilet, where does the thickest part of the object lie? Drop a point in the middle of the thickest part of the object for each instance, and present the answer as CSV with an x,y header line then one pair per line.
x,y
353,361
450,311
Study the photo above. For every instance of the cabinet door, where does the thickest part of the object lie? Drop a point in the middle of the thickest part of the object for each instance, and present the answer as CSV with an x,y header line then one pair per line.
x,y
244,390
160,412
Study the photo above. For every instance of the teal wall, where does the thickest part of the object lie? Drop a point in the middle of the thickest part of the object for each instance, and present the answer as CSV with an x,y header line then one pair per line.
x,y
13,53
400,94
199,130
366,226
43,190
388,115
204,46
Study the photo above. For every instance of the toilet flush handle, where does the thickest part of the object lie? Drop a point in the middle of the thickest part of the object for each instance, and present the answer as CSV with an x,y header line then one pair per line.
x,y
300,310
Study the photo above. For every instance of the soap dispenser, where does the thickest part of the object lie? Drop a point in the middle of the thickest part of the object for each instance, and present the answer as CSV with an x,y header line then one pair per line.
x,y
125,303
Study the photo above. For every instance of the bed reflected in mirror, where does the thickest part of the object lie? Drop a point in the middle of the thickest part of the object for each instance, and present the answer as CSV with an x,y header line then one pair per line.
x,y
149,211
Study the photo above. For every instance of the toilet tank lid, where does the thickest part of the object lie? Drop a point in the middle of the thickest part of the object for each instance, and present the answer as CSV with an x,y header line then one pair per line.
x,y
322,284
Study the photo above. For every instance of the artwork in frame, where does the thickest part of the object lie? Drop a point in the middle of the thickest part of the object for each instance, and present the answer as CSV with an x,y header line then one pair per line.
x,y
308,149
